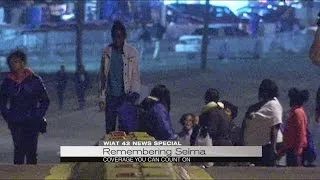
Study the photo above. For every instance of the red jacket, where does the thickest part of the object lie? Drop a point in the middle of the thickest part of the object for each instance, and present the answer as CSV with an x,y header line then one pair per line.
x,y
295,132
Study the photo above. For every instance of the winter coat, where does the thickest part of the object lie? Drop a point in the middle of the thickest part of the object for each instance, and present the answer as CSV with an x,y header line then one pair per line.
x,y
213,121
61,80
131,70
27,97
157,121
129,114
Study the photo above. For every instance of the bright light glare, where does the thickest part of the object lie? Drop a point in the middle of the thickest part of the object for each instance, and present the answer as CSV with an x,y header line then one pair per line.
x,y
67,17
269,6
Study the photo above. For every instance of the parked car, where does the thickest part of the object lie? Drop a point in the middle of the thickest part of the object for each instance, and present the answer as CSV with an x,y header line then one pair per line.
x,y
195,12
268,13
191,44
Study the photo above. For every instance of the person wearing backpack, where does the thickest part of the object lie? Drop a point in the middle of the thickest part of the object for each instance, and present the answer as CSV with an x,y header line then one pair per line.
x,y
28,101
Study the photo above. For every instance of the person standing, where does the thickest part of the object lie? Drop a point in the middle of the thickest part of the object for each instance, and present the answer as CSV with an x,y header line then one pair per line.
x,y
295,133
262,123
61,80
144,39
119,74
315,57
82,82
160,30
28,102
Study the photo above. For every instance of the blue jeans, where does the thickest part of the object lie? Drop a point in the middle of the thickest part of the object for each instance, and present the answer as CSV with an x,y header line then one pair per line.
x,y
112,105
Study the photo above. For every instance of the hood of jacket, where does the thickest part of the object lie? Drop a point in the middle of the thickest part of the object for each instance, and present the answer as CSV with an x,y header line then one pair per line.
x,y
20,77
211,106
148,102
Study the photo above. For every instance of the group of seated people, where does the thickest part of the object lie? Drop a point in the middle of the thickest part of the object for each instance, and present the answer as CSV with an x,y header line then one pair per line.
x,y
215,126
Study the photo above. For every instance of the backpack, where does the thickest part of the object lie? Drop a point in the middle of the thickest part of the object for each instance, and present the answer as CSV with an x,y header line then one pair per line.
x,y
310,153
128,117
128,114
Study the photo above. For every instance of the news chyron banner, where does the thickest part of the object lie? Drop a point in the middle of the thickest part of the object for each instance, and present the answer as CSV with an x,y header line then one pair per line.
x,y
158,151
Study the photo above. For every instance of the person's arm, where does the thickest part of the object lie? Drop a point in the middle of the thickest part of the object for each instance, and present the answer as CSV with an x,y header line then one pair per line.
x,y
136,81
315,48
301,132
44,100
164,128
4,100
276,114
274,136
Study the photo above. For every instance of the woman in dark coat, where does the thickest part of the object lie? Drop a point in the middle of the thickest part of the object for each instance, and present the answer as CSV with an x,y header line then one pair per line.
x,y
28,102
213,121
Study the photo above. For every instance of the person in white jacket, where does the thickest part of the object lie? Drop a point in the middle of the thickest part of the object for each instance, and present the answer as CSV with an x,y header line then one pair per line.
x,y
119,74
262,126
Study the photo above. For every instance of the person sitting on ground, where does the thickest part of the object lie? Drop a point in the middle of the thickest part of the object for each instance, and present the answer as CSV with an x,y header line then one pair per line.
x,y
157,121
295,132
186,121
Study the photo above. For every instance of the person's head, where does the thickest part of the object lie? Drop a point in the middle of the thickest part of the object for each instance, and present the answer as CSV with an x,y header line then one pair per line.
x,y
230,109
196,120
298,98
268,90
118,34
211,95
163,94
187,121
17,61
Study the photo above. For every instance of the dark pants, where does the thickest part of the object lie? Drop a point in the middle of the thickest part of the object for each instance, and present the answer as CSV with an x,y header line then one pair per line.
x,y
81,97
25,140
112,105
292,159
60,97
268,155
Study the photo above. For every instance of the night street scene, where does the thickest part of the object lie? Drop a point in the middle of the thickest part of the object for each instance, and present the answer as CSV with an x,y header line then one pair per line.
x,y
232,73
